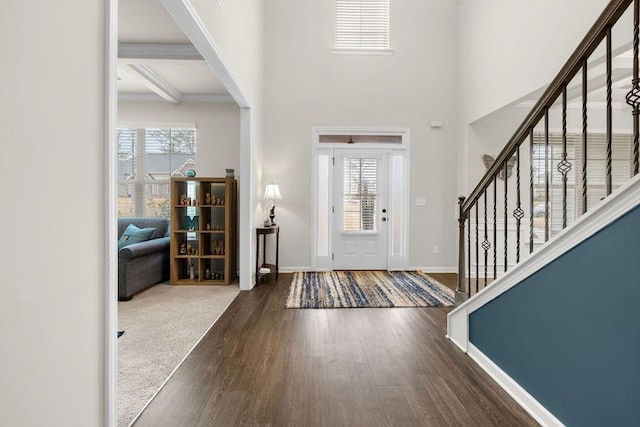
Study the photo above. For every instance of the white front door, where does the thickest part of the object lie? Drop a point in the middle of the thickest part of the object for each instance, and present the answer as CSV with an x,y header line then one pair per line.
x,y
360,211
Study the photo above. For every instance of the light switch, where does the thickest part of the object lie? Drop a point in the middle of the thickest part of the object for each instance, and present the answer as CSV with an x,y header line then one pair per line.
x,y
421,201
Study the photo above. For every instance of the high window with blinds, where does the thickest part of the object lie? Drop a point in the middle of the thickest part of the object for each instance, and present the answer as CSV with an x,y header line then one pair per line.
x,y
147,159
360,194
362,24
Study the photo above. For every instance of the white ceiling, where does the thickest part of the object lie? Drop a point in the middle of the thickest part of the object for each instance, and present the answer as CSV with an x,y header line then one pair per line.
x,y
156,59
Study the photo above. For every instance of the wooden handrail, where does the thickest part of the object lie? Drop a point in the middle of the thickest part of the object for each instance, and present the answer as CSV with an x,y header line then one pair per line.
x,y
591,41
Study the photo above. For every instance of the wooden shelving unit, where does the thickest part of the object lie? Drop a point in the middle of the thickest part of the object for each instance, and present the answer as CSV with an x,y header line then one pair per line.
x,y
203,231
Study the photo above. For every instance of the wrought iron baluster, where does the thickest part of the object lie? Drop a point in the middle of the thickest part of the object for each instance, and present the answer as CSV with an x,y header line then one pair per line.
x,y
518,213
547,167
469,251
609,114
506,216
485,244
531,190
461,293
495,227
633,97
584,135
477,248
564,166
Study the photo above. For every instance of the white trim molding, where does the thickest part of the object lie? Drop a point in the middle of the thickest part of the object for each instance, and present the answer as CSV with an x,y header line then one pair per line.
x,y
190,22
397,259
110,246
165,51
519,394
153,97
346,51
434,270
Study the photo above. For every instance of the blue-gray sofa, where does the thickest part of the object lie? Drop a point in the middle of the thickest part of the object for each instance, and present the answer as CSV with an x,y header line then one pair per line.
x,y
142,265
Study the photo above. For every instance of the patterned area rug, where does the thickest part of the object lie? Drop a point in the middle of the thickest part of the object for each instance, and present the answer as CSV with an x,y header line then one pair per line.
x,y
354,289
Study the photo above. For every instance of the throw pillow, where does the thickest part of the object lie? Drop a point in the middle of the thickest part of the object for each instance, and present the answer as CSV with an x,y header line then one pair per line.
x,y
133,235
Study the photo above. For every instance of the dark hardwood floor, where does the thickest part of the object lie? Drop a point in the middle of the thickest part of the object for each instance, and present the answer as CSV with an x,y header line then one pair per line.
x,y
262,364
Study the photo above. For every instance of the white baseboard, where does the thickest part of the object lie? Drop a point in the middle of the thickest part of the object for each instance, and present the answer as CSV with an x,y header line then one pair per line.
x,y
519,394
295,269
435,269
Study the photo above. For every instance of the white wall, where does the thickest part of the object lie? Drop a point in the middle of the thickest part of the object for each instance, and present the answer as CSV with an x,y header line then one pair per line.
x,y
52,259
510,48
218,129
305,86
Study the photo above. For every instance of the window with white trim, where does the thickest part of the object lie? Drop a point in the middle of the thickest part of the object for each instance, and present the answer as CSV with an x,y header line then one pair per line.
x,y
147,159
362,24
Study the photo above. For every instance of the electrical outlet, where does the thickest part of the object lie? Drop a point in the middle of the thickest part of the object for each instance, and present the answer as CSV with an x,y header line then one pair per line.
x,y
436,249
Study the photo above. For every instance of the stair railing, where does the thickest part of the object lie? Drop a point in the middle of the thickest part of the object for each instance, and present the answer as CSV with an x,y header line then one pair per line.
x,y
476,210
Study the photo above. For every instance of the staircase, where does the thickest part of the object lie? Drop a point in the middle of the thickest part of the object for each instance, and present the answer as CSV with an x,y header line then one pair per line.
x,y
549,242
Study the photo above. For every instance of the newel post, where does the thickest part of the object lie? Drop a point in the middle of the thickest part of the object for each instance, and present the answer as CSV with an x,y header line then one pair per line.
x,y
462,294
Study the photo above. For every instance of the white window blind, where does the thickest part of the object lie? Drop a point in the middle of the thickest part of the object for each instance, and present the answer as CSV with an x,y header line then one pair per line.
x,y
362,24
360,194
147,158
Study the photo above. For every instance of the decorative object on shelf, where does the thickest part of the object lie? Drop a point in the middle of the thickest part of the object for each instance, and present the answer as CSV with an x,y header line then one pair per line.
x,y
192,271
207,274
208,226
190,173
217,247
267,222
230,173
272,193
183,249
488,161
191,223
183,200
207,199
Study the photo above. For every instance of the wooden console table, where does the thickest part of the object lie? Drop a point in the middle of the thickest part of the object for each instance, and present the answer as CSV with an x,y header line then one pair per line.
x,y
264,231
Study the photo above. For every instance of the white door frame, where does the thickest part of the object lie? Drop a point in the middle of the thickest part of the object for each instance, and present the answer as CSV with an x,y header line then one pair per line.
x,y
188,20
322,194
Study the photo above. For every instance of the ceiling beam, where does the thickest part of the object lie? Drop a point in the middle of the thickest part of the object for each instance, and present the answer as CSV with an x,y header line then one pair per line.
x,y
190,22
152,97
157,83
175,51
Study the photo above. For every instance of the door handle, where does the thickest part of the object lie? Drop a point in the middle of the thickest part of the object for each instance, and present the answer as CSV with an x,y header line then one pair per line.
x,y
384,219
384,211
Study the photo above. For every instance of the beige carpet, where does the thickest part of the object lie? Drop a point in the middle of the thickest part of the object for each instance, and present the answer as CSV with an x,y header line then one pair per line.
x,y
161,324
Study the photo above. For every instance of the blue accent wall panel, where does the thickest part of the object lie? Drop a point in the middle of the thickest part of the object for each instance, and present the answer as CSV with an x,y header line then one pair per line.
x,y
570,333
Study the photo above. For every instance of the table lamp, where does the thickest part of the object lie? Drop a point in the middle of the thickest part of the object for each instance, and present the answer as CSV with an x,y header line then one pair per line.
x,y
272,193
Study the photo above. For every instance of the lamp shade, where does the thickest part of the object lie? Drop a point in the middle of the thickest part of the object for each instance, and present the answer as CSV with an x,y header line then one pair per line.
x,y
272,192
